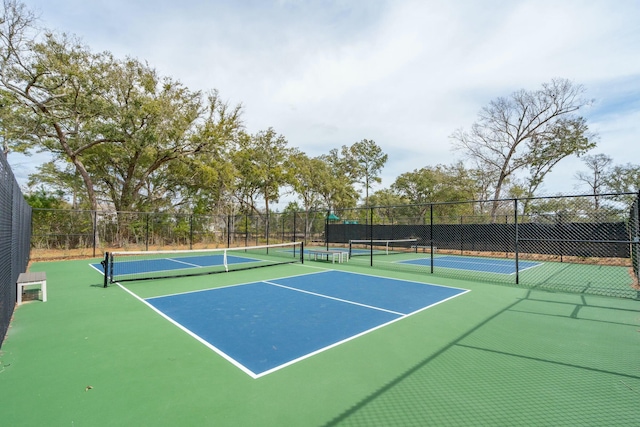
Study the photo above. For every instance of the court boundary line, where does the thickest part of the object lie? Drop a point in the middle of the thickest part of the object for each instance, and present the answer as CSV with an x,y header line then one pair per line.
x,y
238,284
520,270
334,298
353,337
193,334
194,266
308,355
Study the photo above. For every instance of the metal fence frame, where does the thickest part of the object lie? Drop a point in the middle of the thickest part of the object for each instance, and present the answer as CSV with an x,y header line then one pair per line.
x,y
599,229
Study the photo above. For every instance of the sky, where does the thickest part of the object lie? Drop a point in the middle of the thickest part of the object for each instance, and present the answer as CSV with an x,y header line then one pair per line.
x,y
403,73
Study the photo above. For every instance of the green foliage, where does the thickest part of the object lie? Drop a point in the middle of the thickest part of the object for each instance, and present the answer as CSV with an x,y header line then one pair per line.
x,y
42,199
624,179
368,160
261,165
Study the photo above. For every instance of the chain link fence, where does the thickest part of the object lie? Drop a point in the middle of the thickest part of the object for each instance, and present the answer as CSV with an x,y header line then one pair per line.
x,y
60,233
584,243
15,234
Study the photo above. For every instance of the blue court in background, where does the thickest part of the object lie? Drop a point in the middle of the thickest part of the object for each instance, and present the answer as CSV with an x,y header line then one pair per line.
x,y
264,326
487,265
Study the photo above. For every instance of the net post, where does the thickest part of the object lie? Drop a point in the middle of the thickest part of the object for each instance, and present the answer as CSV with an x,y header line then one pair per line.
x,y
302,252
105,269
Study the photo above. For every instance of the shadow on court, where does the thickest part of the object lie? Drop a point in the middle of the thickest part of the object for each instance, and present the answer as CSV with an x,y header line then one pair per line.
x,y
545,359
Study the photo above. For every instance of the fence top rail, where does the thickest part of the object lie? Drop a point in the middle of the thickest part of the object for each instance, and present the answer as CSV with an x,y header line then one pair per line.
x,y
326,212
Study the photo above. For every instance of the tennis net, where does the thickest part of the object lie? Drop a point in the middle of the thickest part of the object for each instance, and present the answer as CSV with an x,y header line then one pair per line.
x,y
141,265
382,247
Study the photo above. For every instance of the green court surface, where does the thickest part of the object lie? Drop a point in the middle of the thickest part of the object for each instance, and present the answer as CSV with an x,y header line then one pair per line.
x,y
497,355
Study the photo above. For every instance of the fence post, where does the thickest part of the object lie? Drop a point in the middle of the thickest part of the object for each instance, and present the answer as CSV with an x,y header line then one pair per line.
x,y
635,246
431,233
326,229
293,238
95,231
371,236
515,220
267,228
246,230
146,232
191,231
461,237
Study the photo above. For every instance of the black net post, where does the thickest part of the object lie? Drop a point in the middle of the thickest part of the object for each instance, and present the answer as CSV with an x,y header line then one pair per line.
x,y
105,269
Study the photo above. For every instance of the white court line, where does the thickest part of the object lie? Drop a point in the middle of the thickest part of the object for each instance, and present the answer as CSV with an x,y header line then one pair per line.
x,y
335,298
183,262
196,336
353,337
254,375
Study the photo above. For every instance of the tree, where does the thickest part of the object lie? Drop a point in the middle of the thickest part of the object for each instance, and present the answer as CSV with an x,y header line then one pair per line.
x,y
368,160
117,122
338,191
17,26
522,131
307,176
624,179
570,136
595,178
64,182
260,161
60,83
433,184
42,199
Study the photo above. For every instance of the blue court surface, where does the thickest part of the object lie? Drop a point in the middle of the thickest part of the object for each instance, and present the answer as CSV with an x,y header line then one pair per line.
x,y
175,263
487,265
264,326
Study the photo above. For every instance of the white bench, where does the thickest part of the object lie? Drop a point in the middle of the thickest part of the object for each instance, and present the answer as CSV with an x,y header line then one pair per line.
x,y
28,279
334,253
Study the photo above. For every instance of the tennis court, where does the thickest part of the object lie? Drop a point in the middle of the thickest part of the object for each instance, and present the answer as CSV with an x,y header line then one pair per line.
x,y
264,326
316,344
485,265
